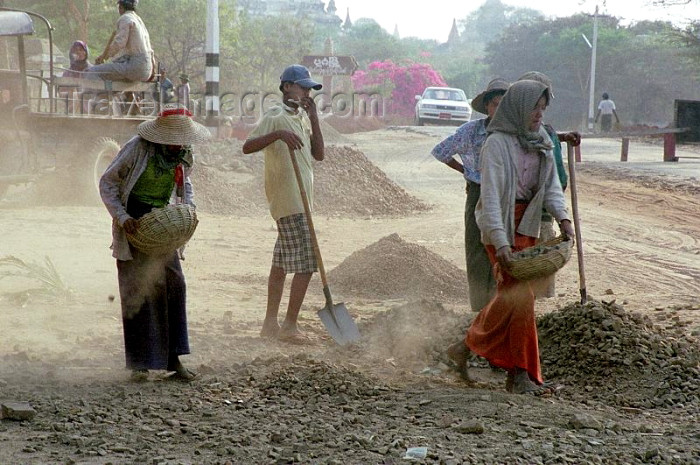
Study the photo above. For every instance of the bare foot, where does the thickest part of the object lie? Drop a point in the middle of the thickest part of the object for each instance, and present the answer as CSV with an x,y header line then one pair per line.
x,y
509,382
459,354
270,329
522,384
292,335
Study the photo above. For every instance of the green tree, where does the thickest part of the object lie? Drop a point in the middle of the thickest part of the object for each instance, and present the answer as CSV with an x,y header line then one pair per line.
x,y
265,46
688,40
367,42
72,20
487,23
635,64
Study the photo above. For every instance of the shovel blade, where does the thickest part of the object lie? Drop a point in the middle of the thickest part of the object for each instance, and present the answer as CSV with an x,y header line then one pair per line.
x,y
339,324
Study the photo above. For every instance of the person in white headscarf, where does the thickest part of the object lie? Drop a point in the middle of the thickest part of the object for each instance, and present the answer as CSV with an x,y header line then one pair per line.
x,y
518,180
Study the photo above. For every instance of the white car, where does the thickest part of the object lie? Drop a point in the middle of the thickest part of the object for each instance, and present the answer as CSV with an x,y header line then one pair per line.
x,y
442,105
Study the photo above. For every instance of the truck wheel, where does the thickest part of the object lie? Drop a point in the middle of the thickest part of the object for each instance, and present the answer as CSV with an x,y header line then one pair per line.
x,y
13,157
102,155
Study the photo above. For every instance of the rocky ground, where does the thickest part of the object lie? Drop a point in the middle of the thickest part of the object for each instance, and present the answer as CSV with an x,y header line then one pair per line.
x,y
628,360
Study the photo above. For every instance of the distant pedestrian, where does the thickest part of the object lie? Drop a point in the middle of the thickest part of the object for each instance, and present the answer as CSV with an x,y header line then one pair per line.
x,y
183,91
606,110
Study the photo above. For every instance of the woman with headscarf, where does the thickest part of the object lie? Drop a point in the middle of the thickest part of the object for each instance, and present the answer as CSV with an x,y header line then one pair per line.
x,y
518,179
78,56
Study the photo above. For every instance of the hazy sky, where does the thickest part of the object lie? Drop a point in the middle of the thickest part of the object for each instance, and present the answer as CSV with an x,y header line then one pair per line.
x,y
433,19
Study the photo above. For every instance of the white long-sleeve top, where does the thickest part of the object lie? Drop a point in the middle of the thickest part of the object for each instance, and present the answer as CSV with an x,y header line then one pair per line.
x,y
499,184
131,37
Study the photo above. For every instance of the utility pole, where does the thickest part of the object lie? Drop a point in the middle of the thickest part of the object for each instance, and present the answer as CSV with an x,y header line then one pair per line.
x,y
211,94
591,96
327,106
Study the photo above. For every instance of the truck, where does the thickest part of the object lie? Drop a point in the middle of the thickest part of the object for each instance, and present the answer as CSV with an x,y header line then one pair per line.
x,y
66,128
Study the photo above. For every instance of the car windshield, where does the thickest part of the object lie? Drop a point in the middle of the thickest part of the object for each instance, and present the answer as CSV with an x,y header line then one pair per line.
x,y
442,94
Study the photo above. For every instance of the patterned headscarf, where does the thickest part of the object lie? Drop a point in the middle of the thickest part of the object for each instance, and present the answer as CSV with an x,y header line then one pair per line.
x,y
513,115
75,64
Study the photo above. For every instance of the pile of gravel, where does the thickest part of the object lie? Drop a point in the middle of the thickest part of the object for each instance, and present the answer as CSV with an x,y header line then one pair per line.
x,y
346,184
392,268
619,357
303,378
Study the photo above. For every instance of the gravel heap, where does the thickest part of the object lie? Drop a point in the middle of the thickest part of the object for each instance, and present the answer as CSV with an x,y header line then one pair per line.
x,y
619,357
346,184
306,379
392,268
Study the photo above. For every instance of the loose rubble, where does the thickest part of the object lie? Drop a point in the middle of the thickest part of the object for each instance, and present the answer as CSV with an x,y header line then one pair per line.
x,y
619,358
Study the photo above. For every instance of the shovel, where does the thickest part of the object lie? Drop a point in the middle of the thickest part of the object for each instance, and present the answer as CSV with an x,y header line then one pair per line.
x,y
335,317
577,222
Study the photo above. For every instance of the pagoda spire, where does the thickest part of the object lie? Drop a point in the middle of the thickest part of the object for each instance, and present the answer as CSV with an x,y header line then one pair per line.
x,y
347,24
454,33
331,9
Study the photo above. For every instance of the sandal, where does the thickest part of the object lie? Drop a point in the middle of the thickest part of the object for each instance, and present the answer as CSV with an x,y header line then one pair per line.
x,y
139,376
182,374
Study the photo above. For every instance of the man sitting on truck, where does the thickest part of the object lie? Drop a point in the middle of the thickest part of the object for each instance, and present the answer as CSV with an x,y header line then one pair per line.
x,y
129,48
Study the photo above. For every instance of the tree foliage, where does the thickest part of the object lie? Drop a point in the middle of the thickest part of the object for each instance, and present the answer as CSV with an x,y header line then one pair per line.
x,y
635,64
368,42
400,83
644,66
488,22
265,46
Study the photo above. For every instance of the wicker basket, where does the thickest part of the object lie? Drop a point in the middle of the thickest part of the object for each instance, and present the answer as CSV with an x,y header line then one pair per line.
x,y
163,230
540,260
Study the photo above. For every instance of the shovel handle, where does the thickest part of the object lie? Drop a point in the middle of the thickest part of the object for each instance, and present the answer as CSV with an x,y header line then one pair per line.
x,y
577,223
312,231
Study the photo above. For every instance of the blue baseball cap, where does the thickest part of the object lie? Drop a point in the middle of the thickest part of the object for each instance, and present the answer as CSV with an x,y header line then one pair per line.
x,y
299,74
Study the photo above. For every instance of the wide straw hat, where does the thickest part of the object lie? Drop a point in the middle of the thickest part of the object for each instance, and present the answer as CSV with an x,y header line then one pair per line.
x,y
496,85
173,127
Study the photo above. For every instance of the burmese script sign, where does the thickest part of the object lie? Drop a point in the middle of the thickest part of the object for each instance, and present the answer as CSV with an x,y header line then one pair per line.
x,y
328,65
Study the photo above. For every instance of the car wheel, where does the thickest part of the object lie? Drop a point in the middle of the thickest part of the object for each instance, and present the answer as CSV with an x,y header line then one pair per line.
x,y
420,122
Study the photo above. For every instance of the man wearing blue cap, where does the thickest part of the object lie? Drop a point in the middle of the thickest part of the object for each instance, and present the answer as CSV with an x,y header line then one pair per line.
x,y
291,125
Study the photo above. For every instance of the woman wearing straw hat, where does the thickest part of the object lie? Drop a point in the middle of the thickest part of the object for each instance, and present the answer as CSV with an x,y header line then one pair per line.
x,y
152,288
467,142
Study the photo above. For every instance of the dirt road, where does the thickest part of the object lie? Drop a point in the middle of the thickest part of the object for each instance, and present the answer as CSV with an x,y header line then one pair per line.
x,y
258,402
